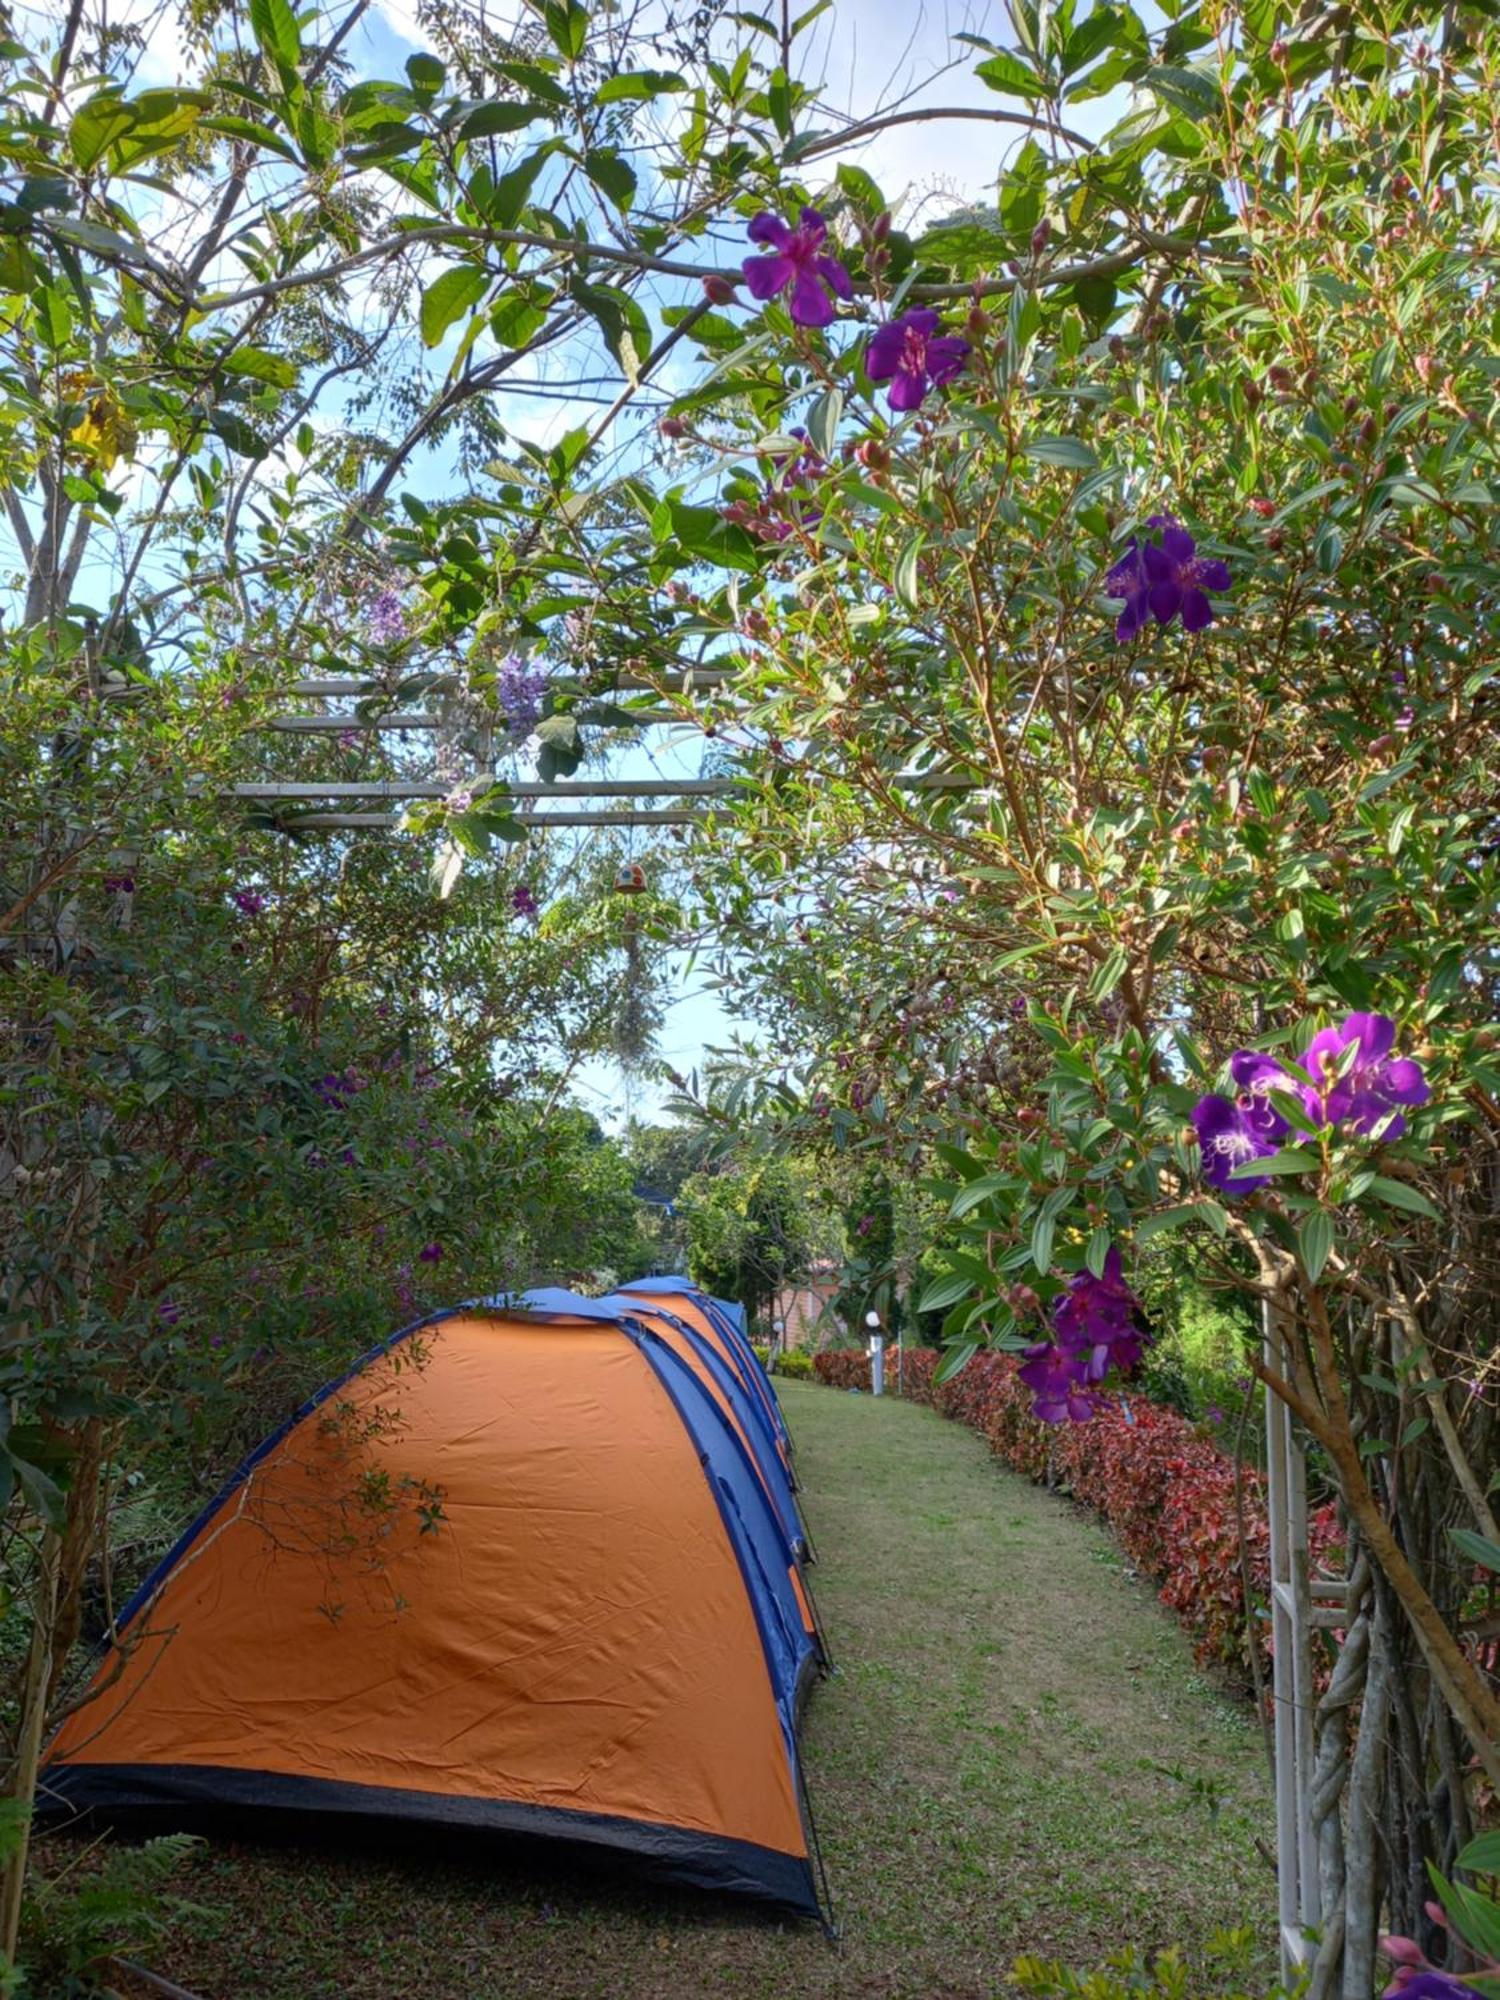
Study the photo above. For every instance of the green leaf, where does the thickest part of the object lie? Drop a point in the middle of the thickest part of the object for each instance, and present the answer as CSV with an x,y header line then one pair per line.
x,y
945,1291
1315,1240
426,74
568,25
1398,1194
1186,90
237,434
513,190
54,316
1097,1251
96,125
1290,1160
823,422
955,1359
449,297
1007,73
1482,1855
1164,1219
261,366
1042,1231
256,135
637,85
611,174
906,580
1478,1548
274,26
490,120
1066,451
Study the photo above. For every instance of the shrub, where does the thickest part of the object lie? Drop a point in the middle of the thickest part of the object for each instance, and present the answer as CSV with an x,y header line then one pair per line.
x,y
793,1362
1165,1489
1124,1975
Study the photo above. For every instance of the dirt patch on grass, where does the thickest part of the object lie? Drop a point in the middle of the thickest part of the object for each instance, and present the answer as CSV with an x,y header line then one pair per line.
x,y
1016,1754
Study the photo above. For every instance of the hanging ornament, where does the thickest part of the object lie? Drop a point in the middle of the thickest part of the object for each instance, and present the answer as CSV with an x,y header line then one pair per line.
x,y
630,880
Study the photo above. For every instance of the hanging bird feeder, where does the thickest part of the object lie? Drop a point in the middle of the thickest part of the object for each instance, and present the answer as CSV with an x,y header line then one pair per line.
x,y
631,879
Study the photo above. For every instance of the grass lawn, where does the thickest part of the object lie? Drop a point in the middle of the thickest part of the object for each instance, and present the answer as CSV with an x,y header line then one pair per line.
x,y
1017,1754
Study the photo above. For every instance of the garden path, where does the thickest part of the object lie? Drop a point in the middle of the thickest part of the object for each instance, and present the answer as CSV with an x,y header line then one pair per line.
x,y
1017,1754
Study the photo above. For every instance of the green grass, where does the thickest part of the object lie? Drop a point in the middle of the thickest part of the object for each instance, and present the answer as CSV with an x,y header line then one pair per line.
x,y
1016,1754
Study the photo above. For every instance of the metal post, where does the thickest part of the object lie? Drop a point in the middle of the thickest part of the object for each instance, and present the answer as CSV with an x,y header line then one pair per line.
x,y
1298,1900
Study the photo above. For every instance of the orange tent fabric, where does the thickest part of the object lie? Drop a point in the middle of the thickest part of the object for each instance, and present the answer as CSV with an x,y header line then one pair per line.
x,y
496,1578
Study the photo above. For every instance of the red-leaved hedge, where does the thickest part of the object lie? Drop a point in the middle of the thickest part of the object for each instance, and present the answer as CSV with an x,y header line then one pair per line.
x,y
1165,1490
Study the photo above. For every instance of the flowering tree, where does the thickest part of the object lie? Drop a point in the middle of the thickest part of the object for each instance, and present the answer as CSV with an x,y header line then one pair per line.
x,y
1114,618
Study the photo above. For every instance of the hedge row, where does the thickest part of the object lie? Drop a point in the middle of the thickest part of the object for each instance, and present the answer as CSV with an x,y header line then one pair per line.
x,y
1166,1491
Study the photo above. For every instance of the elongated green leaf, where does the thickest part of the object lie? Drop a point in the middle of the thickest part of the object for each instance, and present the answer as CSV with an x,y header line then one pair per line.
x,y
1478,1548
449,297
1008,74
1315,1240
1482,1855
1399,1194
955,1359
274,26
1065,451
637,85
906,572
1290,1160
946,1291
491,120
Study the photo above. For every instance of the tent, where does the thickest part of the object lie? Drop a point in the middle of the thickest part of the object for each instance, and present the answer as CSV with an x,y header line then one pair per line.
x,y
724,1323
515,1572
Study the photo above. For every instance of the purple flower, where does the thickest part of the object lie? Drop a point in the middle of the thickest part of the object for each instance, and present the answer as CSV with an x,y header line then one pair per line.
x,y
914,357
523,901
249,902
1228,1137
797,263
1179,577
337,1091
1213,1414
387,618
1053,1378
519,689
119,885
1431,1986
1257,1076
430,1253
1099,1319
1366,1087
169,1312
1128,580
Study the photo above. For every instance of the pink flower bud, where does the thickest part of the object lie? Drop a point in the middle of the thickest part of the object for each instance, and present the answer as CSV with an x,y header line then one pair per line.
x,y
717,290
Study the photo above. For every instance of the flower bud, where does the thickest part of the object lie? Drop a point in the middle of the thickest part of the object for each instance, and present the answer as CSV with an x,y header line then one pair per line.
x,y
1279,377
718,290
878,260
1117,348
1265,508
1275,540
1041,236
1279,52
1426,367
872,455
881,227
977,323
1253,393
672,427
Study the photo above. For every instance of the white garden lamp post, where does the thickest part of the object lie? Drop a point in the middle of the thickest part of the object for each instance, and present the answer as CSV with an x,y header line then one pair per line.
x,y
877,1353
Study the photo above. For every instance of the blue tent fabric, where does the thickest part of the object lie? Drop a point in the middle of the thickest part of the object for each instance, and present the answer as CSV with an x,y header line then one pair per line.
x,y
747,1408
730,1319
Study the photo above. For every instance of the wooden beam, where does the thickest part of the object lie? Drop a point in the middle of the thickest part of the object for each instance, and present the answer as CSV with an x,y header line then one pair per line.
x,y
572,788
337,725
533,822
369,690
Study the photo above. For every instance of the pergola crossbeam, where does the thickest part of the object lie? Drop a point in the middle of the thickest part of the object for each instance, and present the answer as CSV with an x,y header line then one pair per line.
x,y
567,788
388,822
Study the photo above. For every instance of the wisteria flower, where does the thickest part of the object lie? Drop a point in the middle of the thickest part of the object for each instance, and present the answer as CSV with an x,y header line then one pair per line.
x,y
1366,1087
519,689
1128,580
797,264
1229,1137
387,618
914,357
1179,578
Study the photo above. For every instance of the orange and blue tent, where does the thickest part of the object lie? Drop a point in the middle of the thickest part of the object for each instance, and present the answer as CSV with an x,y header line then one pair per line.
x,y
723,1322
518,1572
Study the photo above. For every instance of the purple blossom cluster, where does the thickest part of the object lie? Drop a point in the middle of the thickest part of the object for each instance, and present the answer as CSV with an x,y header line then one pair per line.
x,y
1165,579
519,689
910,353
338,1091
386,618
1098,1329
249,902
1348,1076
523,901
